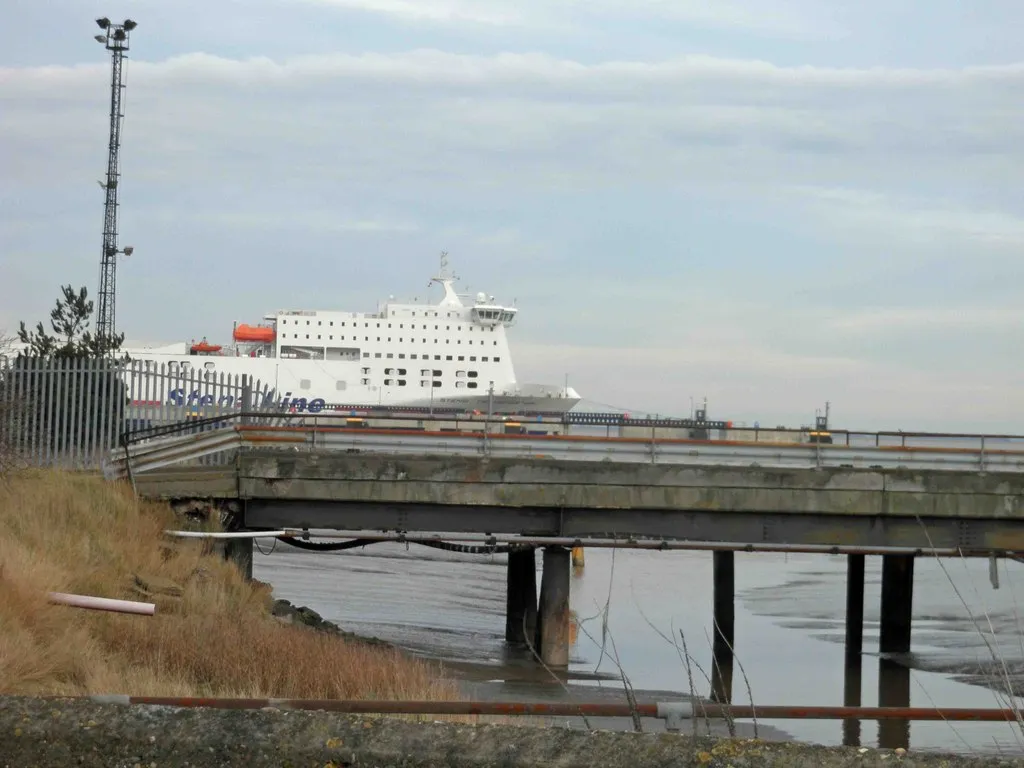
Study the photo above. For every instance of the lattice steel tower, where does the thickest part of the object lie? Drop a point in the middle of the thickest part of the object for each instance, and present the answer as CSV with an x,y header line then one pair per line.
x,y
115,38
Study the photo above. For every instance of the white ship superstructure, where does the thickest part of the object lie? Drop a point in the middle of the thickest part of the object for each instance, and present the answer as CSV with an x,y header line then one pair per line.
x,y
452,354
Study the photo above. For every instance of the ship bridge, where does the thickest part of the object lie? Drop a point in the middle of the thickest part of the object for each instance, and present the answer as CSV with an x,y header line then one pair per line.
x,y
487,313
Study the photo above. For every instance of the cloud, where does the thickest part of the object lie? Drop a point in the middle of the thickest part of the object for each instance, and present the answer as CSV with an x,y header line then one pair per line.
x,y
775,17
774,234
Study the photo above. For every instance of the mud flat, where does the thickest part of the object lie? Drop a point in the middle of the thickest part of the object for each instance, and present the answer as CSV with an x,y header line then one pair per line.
x,y
51,732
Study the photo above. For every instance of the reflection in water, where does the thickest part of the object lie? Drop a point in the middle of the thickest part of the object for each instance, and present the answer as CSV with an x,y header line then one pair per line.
x,y
789,629
852,686
893,691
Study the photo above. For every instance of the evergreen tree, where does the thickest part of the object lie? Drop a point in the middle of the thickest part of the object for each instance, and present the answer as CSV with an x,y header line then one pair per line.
x,y
69,386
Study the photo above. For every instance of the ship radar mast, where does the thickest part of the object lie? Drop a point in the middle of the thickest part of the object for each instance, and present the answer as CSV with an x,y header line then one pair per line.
x,y
446,278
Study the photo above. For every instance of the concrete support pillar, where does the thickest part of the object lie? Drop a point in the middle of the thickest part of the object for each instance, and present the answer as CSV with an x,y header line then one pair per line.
x,y
521,599
553,618
897,603
239,551
725,626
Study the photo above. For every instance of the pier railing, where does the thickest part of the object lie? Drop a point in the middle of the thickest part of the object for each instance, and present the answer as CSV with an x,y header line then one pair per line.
x,y
146,450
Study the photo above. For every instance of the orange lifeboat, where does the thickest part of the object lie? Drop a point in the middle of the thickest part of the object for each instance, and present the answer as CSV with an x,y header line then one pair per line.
x,y
204,348
245,332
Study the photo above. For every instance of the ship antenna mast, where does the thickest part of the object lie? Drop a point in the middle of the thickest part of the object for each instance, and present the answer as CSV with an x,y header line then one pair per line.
x,y
115,39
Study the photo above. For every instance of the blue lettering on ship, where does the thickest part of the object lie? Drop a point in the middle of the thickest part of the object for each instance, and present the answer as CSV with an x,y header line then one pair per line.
x,y
182,397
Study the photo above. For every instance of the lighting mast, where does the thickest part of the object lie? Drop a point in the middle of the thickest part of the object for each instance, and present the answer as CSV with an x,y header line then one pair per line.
x,y
115,39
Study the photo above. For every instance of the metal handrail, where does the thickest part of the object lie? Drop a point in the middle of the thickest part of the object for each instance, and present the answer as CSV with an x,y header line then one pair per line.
x,y
674,713
168,449
136,435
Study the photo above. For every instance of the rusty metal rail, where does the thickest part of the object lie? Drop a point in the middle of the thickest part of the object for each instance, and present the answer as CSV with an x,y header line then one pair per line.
x,y
673,713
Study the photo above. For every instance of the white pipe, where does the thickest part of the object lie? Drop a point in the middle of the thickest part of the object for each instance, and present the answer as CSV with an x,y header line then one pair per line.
x,y
229,535
102,603
585,541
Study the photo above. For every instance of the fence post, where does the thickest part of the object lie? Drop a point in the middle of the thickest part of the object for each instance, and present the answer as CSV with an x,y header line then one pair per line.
x,y
246,399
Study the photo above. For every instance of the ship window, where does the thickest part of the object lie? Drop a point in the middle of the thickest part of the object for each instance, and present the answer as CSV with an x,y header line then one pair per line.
x,y
332,323
472,359
388,371
401,371
208,366
378,339
437,372
412,356
319,336
401,356
376,354
483,359
378,325
437,357
447,357
307,322
401,382
304,384
319,322
185,365
389,325
340,385
390,355
389,338
366,354
497,359
460,373
307,335
437,383
495,343
472,374
387,382
284,322
461,358
460,384
471,385
424,383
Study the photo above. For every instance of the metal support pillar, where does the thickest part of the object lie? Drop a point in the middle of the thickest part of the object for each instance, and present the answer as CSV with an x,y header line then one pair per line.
x,y
854,606
725,626
897,603
521,600
852,679
239,551
553,617
894,638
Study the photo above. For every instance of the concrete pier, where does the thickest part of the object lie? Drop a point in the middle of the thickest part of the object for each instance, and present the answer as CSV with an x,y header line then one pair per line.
x,y
725,626
553,616
521,598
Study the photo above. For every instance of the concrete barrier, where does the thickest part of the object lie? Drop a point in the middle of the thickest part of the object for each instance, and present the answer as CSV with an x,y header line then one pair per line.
x,y
44,732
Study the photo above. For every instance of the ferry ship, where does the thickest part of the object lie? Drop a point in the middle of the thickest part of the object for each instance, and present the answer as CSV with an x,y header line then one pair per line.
x,y
452,354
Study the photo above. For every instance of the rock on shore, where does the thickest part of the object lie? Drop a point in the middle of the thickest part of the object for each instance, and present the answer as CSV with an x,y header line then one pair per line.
x,y
77,732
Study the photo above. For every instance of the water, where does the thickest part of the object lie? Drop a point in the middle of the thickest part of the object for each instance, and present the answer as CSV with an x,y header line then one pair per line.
x,y
789,627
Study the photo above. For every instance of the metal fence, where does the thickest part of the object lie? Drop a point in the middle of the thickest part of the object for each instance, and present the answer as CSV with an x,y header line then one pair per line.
x,y
72,413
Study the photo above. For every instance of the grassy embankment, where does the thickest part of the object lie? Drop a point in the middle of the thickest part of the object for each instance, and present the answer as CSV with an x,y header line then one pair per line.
x,y
212,634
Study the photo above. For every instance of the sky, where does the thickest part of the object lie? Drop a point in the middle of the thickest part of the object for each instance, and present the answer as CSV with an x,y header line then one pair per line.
x,y
768,203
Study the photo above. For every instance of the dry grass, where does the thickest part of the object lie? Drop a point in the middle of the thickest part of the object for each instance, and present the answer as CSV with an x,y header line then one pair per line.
x,y
212,634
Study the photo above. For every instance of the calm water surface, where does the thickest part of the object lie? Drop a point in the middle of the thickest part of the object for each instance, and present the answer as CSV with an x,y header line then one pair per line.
x,y
789,626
